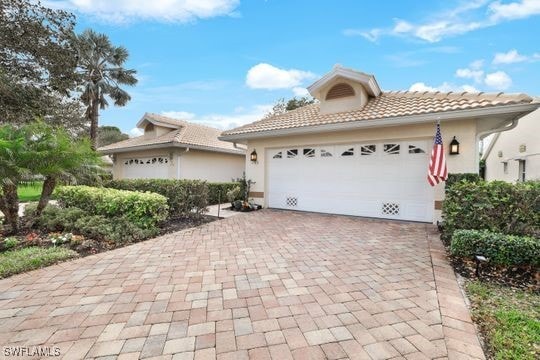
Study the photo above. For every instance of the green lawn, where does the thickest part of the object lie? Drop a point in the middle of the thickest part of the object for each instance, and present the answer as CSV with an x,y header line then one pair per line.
x,y
509,318
30,191
30,258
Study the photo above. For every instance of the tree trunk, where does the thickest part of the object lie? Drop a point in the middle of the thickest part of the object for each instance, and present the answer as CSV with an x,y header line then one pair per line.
x,y
94,119
48,187
10,206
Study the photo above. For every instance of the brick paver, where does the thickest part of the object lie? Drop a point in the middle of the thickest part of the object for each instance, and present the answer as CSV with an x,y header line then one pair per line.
x,y
264,285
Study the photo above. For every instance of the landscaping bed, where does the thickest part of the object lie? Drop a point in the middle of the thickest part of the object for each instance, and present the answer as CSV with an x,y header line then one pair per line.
x,y
86,221
495,227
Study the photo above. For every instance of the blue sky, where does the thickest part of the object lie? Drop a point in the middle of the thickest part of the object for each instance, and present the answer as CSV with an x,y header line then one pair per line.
x,y
225,62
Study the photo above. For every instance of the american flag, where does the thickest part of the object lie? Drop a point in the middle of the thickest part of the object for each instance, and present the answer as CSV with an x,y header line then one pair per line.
x,y
437,171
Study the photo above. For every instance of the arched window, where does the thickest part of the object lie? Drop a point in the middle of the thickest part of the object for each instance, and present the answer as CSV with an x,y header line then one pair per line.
x,y
340,90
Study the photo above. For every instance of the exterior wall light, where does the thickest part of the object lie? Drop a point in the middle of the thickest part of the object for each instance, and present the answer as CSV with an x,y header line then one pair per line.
x,y
253,156
454,147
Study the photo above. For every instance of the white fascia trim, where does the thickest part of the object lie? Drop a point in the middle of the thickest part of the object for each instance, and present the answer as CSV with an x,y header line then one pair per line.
x,y
240,152
521,109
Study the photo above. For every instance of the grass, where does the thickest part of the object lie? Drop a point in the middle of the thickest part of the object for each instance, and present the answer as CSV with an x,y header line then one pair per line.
x,y
29,191
509,319
30,258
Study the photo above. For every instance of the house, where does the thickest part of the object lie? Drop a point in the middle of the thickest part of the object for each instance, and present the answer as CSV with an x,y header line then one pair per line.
x,y
363,151
175,149
514,155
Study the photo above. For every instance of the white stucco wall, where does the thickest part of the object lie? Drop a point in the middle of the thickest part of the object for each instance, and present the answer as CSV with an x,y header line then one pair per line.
x,y
507,147
193,164
464,130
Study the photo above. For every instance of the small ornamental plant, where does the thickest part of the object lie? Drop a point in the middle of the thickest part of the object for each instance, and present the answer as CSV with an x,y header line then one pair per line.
x,y
58,239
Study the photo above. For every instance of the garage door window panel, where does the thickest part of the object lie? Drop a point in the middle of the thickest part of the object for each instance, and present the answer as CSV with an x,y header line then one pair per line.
x,y
366,150
309,152
278,155
292,153
391,149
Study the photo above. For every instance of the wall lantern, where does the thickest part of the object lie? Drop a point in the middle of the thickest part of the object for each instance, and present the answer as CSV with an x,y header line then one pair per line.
x,y
454,147
253,156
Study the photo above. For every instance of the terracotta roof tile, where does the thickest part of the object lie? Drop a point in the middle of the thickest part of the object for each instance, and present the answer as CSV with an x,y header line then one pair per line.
x,y
387,105
187,133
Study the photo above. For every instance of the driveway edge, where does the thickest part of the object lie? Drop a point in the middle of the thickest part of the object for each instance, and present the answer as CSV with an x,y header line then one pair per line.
x,y
460,333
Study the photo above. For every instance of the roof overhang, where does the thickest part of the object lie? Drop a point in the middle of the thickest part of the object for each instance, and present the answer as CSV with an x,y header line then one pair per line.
x,y
510,111
147,120
368,81
177,145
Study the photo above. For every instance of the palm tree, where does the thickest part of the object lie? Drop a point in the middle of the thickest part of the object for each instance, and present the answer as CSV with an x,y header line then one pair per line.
x,y
101,68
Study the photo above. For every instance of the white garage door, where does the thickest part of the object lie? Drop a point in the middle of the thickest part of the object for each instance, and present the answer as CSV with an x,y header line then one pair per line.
x,y
156,167
377,179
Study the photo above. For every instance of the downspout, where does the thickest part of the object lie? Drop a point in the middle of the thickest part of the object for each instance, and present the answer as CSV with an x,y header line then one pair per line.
x,y
483,134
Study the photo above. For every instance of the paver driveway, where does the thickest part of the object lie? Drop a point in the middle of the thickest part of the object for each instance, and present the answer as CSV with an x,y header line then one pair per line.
x,y
265,285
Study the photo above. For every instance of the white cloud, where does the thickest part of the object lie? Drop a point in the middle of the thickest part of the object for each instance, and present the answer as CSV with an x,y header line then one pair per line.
x,y
239,117
466,17
498,80
135,132
121,11
476,64
444,87
300,91
514,10
266,76
182,115
512,57
470,74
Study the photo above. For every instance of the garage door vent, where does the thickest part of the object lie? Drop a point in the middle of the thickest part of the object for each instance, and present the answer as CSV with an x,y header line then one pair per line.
x,y
292,202
390,209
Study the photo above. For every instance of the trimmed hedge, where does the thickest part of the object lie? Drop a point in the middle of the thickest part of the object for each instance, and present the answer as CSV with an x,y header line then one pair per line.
x,y
145,210
460,177
500,249
496,206
184,197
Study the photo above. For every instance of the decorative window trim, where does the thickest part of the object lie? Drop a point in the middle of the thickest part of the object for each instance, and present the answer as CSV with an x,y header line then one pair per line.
x,y
414,149
391,149
348,152
368,149
278,155
309,152
147,161
292,153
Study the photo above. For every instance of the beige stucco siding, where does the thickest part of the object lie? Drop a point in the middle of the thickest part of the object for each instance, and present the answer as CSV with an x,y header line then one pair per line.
x,y
507,147
210,166
192,164
464,130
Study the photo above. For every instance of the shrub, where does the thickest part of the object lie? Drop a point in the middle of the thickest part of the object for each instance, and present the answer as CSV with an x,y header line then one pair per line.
x,y
495,206
54,218
500,249
184,197
146,210
118,229
460,177
10,242
233,194
219,192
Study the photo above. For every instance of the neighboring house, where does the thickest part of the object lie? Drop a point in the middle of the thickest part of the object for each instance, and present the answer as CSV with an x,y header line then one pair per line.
x,y
175,149
514,155
361,151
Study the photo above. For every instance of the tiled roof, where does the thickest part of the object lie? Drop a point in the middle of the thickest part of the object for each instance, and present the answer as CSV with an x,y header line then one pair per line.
x,y
187,134
387,105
